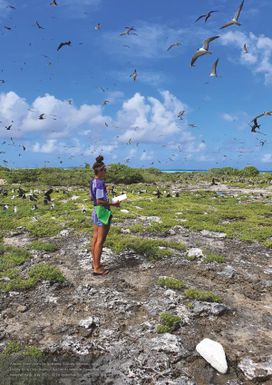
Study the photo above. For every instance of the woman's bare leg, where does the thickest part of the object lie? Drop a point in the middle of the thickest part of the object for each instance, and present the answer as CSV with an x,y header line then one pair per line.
x,y
102,233
95,235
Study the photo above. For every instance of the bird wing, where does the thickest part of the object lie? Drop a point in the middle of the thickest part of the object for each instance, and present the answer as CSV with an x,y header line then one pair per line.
x,y
214,67
196,56
206,42
60,46
239,10
200,17
227,24
170,47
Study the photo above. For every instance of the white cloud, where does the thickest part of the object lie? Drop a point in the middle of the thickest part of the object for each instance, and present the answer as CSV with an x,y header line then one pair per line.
x,y
61,118
259,58
267,158
229,117
80,130
150,120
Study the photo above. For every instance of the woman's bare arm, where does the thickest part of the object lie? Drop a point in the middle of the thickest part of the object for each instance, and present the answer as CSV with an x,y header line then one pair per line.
x,y
106,203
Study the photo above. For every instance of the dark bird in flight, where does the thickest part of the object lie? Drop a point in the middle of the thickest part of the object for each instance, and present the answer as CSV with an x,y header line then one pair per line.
x,y
39,25
8,127
180,114
203,50
235,20
8,28
254,123
61,45
11,7
2,81
42,117
206,16
174,45
98,27
128,31
54,3
245,48
134,75
105,102
214,69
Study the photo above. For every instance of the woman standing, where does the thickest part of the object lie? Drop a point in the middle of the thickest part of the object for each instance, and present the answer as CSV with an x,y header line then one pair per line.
x,y
101,214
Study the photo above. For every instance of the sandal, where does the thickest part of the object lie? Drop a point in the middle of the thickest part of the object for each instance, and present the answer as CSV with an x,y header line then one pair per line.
x,y
102,272
102,265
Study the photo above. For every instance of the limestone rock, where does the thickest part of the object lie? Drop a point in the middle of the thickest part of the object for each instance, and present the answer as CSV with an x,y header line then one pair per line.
x,y
195,253
256,370
89,322
213,352
209,308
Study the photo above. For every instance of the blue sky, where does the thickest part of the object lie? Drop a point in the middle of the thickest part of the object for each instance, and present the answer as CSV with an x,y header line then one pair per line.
x,y
139,125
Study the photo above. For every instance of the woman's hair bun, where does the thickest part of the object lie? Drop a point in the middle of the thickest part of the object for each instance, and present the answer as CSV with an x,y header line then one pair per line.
x,y
100,159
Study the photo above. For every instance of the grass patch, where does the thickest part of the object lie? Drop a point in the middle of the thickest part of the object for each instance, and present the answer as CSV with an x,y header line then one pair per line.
x,y
12,256
11,348
150,248
14,347
169,323
43,246
44,271
36,273
170,283
202,295
209,258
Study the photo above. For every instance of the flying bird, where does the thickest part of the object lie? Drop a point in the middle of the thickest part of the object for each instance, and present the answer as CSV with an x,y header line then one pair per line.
x,y
180,114
254,123
53,3
203,50
174,45
68,43
11,7
214,69
39,25
236,17
98,27
206,16
134,75
105,102
41,116
128,31
245,48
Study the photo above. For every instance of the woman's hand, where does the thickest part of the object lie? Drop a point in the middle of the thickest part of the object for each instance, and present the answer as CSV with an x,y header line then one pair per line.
x,y
116,204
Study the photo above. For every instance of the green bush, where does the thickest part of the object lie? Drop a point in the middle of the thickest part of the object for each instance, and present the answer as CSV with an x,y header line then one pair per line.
x,y
170,282
202,295
47,272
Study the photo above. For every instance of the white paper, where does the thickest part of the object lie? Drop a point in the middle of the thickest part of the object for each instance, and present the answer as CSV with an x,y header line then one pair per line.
x,y
120,198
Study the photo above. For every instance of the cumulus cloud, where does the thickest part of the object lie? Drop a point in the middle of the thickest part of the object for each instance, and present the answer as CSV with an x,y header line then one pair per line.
x,y
259,58
150,120
80,130
61,118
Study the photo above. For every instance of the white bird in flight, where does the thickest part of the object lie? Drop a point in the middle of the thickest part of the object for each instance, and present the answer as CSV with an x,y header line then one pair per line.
x,y
236,17
203,50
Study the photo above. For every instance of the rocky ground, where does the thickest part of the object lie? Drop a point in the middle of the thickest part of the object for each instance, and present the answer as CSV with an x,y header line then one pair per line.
x,y
104,328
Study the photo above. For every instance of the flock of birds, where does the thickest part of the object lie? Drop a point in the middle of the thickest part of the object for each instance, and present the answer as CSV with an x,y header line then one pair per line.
x,y
131,31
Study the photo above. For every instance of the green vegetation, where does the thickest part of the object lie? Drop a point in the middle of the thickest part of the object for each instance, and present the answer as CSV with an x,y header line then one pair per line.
x,y
211,257
151,248
14,347
11,348
169,323
33,351
11,257
202,295
170,283
44,246
47,272
16,281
